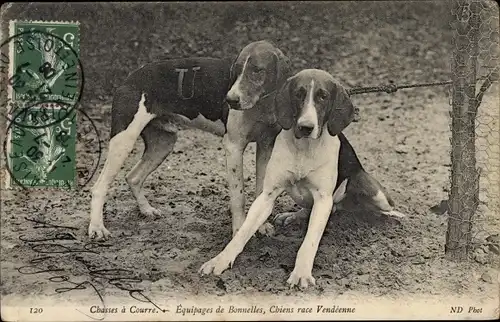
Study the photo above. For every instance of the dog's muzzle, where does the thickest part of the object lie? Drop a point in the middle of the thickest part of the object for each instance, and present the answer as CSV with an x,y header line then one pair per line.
x,y
304,130
234,102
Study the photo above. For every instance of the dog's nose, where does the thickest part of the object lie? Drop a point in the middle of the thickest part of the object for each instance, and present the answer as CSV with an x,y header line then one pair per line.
x,y
233,101
305,129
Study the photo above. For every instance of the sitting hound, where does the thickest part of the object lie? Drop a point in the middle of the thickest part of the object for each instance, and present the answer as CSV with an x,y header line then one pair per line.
x,y
312,108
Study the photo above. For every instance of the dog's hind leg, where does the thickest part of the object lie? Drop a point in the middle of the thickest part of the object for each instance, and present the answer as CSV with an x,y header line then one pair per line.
x,y
367,191
286,218
120,147
157,146
303,214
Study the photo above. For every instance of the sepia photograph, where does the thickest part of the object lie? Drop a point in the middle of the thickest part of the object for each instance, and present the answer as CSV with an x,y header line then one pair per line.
x,y
248,160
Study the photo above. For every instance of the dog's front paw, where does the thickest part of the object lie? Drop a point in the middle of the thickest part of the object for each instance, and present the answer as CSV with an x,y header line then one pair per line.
x,y
98,232
216,265
150,211
267,229
301,277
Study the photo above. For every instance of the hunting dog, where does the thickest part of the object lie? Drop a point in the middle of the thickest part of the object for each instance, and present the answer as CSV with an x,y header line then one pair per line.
x,y
312,108
161,98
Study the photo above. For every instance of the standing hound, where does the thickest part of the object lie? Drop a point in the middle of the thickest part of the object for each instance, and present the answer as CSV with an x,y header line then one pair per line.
x,y
313,109
161,98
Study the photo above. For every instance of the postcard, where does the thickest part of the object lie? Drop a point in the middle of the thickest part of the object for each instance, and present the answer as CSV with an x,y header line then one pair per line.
x,y
182,161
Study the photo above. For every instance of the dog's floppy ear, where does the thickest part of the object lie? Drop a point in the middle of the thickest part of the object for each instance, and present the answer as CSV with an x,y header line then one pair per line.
x,y
342,112
284,108
283,67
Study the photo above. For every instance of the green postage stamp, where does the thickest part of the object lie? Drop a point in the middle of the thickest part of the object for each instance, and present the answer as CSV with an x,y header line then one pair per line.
x,y
45,63
43,156
44,85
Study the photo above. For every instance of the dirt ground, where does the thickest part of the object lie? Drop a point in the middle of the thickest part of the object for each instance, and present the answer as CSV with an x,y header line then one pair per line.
x,y
403,139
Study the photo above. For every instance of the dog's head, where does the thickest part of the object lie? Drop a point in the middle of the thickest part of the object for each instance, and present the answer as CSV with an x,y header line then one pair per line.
x,y
259,69
311,99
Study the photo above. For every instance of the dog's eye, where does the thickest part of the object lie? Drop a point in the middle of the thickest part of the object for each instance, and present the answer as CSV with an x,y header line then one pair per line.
x,y
301,93
321,95
257,70
255,74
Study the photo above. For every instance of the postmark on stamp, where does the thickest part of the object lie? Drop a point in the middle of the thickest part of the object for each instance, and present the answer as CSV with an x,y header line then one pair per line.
x,y
63,155
42,156
43,66
44,85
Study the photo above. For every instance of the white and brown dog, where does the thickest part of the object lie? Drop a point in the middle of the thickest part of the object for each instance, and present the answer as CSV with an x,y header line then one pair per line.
x,y
313,109
161,98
